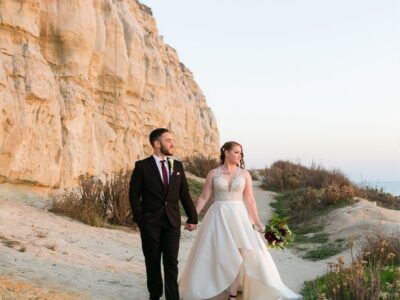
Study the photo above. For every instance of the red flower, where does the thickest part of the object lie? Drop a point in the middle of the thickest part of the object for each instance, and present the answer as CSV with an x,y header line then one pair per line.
x,y
282,231
269,236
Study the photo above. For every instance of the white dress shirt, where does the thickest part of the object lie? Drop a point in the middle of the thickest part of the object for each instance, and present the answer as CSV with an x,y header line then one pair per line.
x,y
158,163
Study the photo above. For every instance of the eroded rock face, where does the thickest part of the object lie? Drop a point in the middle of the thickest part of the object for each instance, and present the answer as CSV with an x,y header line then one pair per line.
x,y
82,83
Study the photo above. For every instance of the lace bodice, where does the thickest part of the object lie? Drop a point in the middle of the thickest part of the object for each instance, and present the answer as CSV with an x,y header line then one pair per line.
x,y
228,191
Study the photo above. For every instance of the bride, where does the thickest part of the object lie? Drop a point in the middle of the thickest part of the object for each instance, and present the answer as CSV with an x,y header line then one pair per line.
x,y
228,254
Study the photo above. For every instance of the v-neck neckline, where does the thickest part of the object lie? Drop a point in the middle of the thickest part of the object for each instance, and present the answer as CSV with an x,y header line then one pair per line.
x,y
233,178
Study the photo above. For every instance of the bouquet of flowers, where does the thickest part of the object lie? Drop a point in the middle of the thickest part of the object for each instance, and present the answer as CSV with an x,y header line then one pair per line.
x,y
277,232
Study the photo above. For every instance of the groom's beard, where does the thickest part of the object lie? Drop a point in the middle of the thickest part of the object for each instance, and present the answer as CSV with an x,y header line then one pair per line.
x,y
165,151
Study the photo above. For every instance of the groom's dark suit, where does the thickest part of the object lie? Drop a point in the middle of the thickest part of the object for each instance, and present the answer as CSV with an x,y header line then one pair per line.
x,y
156,211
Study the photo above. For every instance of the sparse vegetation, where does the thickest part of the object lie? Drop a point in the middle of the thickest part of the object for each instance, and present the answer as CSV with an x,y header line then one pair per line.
x,y
373,274
116,194
318,188
85,205
51,246
200,165
12,244
254,174
41,233
323,251
306,194
195,188
379,196
95,203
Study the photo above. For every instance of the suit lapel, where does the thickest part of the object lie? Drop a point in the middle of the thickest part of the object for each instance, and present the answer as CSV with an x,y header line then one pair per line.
x,y
155,169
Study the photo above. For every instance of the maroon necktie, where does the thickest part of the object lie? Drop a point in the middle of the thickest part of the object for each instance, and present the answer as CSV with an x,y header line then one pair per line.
x,y
164,175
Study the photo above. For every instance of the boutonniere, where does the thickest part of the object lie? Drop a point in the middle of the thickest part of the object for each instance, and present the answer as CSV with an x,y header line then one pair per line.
x,y
171,169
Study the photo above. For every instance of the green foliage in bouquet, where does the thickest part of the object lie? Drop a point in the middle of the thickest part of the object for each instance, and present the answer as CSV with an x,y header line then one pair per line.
x,y
277,232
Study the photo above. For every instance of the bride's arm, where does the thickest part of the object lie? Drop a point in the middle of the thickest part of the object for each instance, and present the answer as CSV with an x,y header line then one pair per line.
x,y
206,192
251,201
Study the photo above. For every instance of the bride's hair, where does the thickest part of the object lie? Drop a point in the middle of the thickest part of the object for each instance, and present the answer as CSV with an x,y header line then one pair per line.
x,y
228,146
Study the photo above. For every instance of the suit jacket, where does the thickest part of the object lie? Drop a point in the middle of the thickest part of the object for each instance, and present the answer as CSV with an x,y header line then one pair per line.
x,y
149,200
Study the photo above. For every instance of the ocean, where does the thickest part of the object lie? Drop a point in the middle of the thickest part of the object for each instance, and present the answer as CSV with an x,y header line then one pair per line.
x,y
392,187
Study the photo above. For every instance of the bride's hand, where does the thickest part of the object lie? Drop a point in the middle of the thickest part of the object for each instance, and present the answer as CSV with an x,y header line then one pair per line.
x,y
260,226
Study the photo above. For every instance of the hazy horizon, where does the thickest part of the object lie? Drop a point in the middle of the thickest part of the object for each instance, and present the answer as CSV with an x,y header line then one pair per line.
x,y
301,81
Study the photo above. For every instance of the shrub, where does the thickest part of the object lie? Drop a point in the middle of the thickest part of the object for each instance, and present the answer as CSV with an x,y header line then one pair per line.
x,y
94,202
372,275
200,165
253,174
335,193
272,179
334,185
287,175
85,204
379,196
116,194
321,188
293,179
312,198
378,247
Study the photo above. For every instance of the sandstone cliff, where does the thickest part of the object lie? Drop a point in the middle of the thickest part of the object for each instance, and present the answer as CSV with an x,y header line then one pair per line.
x,y
82,82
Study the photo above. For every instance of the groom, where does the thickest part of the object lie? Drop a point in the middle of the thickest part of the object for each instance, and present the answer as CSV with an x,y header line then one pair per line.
x,y
156,185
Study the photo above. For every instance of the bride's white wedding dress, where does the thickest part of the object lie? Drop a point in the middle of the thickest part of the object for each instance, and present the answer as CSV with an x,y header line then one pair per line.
x,y
226,245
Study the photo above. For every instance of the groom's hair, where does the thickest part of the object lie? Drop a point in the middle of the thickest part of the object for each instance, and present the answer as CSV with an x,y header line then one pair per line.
x,y
156,133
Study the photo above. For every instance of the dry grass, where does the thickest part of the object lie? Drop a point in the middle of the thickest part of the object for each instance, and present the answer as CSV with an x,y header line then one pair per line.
x,y
41,233
12,244
200,165
95,203
51,246
285,175
80,206
379,196
254,174
116,193
377,247
373,274
320,187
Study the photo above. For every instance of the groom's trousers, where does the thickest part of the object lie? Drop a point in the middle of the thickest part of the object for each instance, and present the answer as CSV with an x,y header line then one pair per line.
x,y
161,238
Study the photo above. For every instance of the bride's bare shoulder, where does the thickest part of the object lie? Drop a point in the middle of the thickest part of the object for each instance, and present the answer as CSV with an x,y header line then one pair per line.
x,y
245,173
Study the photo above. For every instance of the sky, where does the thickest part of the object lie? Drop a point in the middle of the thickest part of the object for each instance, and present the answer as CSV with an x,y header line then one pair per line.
x,y
306,81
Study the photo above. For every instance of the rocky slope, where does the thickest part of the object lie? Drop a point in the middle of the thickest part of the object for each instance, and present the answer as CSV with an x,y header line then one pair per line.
x,y
82,82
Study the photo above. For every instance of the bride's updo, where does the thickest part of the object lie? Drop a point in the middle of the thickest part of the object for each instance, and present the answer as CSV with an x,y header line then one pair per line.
x,y
228,146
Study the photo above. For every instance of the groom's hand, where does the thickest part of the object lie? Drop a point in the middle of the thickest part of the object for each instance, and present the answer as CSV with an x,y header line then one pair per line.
x,y
190,227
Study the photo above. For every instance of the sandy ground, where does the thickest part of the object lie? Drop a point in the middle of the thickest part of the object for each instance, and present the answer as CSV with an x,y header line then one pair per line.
x,y
55,257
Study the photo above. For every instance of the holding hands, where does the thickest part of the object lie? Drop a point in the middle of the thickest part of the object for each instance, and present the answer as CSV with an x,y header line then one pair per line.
x,y
190,227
